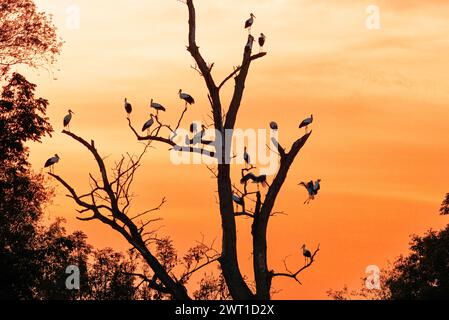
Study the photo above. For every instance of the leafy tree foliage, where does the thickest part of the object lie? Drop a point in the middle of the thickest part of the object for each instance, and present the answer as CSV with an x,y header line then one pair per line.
x,y
26,36
34,257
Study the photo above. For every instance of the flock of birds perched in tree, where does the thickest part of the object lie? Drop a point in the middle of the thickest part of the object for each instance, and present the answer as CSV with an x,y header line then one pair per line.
x,y
312,187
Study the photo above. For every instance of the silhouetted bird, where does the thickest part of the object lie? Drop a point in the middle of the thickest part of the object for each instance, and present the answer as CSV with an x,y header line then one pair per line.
x,y
262,39
312,189
306,123
249,22
255,179
193,127
128,107
51,162
306,253
274,126
186,97
198,138
246,157
238,200
67,119
157,106
148,124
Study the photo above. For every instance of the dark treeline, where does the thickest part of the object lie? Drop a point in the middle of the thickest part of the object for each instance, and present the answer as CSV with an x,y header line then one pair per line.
x,y
33,256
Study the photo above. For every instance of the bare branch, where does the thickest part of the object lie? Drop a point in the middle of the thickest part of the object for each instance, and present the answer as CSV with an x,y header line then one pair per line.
x,y
294,275
237,70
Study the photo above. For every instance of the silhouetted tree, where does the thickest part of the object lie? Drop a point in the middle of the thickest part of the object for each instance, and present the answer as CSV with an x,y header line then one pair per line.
x,y
22,194
33,256
444,210
109,199
26,36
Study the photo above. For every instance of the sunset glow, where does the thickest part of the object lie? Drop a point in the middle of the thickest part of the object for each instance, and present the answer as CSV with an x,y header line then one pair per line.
x,y
379,141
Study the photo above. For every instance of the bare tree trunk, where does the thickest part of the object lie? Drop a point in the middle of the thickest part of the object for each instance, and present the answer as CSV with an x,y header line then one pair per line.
x,y
259,229
126,227
165,281
229,260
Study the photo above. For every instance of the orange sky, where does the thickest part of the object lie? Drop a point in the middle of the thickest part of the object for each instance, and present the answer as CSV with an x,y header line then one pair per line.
x,y
379,98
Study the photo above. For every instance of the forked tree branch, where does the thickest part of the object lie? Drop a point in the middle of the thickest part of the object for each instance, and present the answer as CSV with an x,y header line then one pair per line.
x,y
294,275
120,220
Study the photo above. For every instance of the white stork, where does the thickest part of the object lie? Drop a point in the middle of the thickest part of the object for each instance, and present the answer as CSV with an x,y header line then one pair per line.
x,y
274,126
307,254
193,127
157,106
186,97
249,44
249,22
148,124
256,179
67,119
238,200
198,138
312,189
128,107
262,40
51,162
306,123
246,157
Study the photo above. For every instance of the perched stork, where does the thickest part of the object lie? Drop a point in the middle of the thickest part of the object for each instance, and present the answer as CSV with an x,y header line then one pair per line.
x,y
51,162
247,157
198,138
306,123
312,189
193,127
238,200
262,39
249,44
249,22
307,254
67,119
128,107
148,124
255,179
274,126
158,107
262,180
186,97
247,177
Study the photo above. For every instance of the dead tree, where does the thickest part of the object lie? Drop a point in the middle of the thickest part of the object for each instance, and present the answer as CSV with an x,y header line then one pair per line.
x,y
263,204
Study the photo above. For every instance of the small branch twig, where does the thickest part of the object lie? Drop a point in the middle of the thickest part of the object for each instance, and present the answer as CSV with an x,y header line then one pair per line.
x,y
294,275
